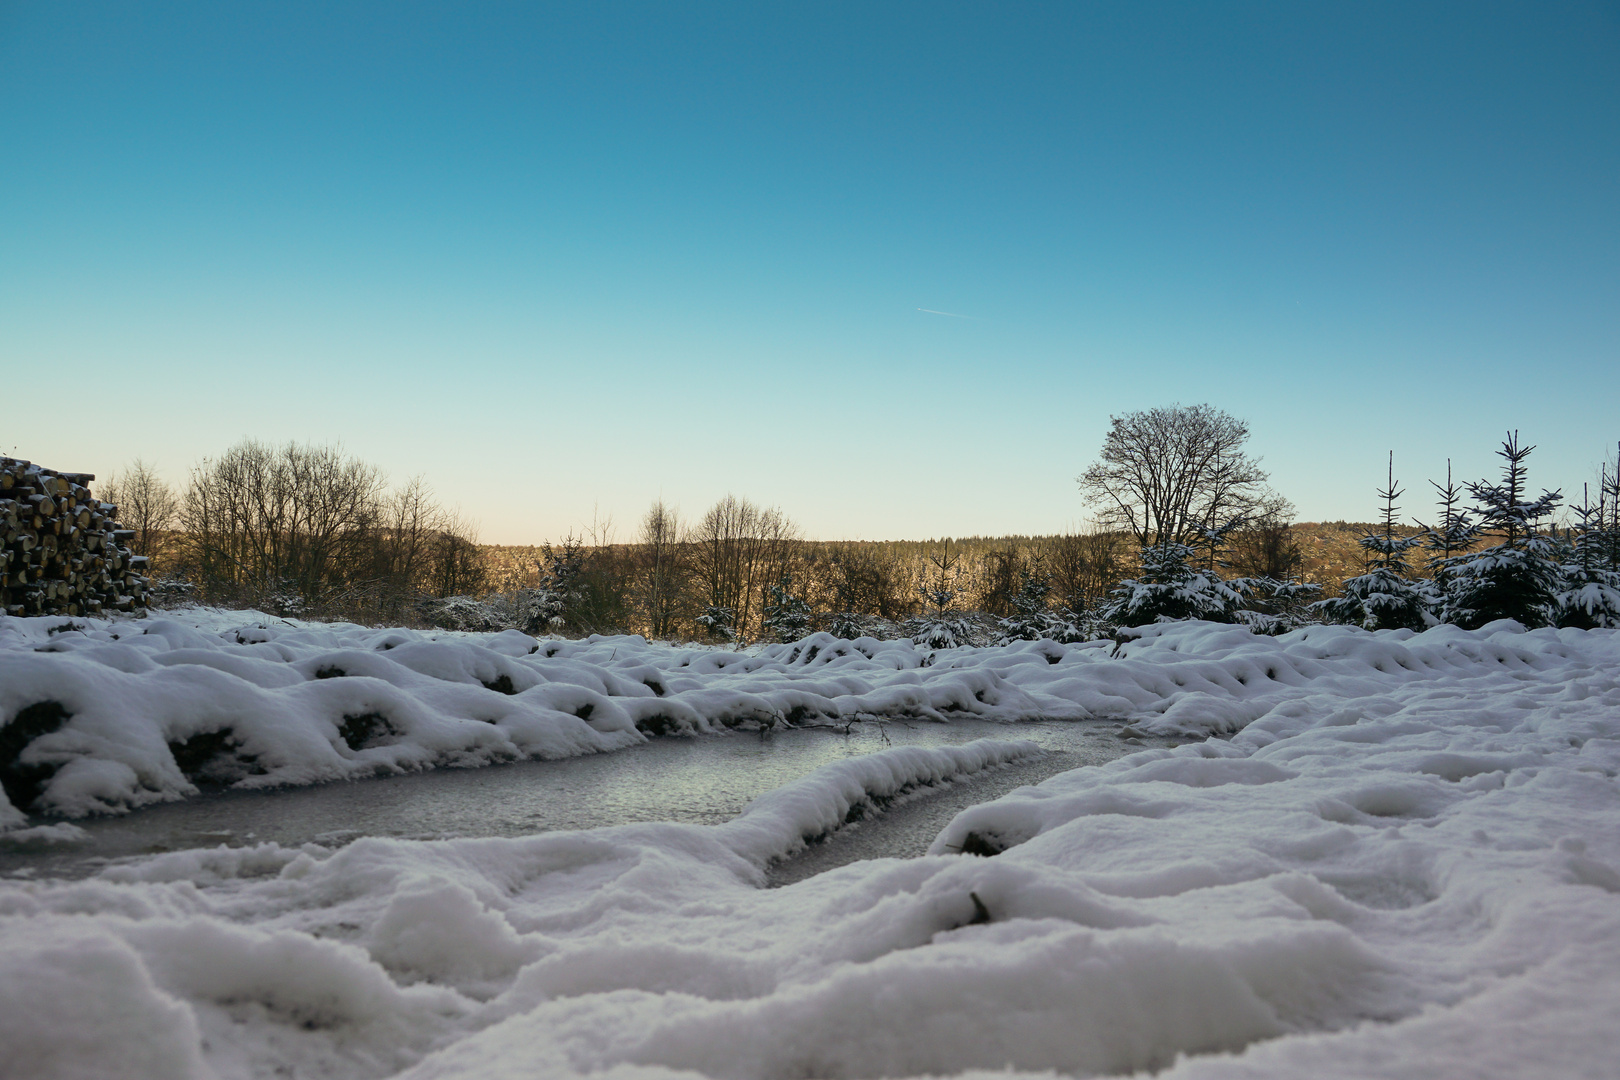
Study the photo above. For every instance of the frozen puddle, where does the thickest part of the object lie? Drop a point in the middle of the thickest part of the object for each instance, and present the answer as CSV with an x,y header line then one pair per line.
x,y
905,829
707,779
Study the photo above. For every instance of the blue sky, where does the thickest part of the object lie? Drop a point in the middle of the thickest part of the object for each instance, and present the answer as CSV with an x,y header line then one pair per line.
x,y
565,259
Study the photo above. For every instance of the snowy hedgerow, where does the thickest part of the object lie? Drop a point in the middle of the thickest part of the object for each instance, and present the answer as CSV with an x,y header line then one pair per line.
x,y
786,615
1171,589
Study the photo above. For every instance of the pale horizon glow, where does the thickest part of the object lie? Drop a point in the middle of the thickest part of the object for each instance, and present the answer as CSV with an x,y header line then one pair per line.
x,y
562,261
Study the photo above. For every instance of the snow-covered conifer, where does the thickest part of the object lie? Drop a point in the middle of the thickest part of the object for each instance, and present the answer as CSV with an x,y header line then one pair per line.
x,y
1382,598
560,590
1273,606
848,625
1589,591
716,622
1452,535
941,628
1170,588
1031,619
786,615
1519,577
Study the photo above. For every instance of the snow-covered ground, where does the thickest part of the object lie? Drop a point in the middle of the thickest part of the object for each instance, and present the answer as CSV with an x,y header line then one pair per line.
x,y
125,713
1402,864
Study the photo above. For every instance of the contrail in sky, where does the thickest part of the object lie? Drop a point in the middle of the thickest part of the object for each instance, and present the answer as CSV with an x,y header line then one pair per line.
x,y
952,314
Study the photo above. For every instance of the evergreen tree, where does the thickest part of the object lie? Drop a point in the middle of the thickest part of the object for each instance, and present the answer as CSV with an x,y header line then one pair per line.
x,y
1171,588
1453,534
848,625
1589,591
716,621
1609,513
940,628
1031,619
560,591
1275,606
1519,577
1381,598
786,615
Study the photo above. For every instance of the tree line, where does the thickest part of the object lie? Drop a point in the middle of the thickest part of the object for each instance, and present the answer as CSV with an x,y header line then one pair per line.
x,y
297,530
1179,481
1185,528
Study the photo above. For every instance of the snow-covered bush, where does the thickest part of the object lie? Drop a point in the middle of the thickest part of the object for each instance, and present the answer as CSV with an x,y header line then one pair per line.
x,y
1170,588
1032,620
786,615
717,622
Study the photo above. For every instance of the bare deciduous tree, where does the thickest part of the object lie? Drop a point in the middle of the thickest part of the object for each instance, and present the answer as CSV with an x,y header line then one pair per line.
x,y
1265,546
308,528
1084,566
663,570
454,565
865,579
1167,475
146,505
739,550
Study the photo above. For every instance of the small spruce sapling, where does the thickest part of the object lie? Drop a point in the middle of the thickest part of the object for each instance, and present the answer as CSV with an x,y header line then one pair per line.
x,y
1454,533
1031,619
716,623
1518,578
1589,591
1381,598
560,592
786,615
848,625
940,628
1170,589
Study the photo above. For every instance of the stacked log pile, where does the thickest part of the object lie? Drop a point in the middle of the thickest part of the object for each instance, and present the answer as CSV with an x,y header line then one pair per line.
x,y
64,552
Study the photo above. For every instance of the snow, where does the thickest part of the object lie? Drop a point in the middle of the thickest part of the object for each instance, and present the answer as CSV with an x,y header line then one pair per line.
x,y
1401,863
156,707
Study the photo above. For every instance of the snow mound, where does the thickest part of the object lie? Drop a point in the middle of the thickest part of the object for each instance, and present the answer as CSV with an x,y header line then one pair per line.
x,y
102,716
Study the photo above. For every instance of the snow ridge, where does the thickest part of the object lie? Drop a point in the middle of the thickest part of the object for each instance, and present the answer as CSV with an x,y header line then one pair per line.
x,y
110,715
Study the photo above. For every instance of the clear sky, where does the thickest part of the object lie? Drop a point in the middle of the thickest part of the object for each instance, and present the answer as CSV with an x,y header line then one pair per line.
x,y
557,257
